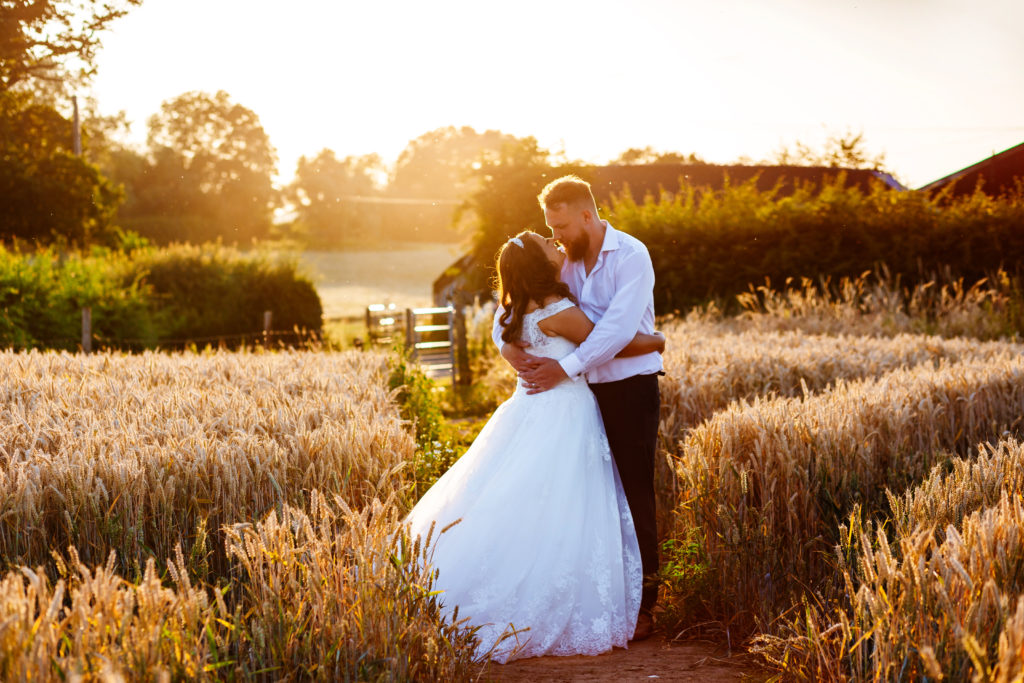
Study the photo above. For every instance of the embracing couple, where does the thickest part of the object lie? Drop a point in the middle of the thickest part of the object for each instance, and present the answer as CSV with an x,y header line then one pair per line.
x,y
555,552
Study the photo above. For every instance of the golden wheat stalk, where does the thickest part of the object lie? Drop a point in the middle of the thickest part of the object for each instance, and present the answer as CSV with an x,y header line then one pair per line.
x,y
945,605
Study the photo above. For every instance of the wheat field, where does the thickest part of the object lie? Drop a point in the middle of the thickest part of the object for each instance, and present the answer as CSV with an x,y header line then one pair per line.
x,y
206,516
846,504
139,453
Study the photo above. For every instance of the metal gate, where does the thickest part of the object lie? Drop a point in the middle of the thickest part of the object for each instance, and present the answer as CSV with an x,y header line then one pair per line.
x,y
429,338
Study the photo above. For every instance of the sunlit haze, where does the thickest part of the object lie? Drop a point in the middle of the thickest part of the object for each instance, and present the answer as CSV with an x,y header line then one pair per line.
x,y
934,84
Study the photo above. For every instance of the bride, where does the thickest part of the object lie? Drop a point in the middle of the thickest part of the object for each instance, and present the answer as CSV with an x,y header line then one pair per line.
x,y
544,559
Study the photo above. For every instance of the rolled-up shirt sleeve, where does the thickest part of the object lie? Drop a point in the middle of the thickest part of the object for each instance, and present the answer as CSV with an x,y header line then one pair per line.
x,y
634,281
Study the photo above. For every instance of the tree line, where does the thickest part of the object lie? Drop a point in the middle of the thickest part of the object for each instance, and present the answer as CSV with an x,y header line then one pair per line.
x,y
207,169
207,173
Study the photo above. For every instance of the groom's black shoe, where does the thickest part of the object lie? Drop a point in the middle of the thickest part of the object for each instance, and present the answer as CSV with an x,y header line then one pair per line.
x,y
644,627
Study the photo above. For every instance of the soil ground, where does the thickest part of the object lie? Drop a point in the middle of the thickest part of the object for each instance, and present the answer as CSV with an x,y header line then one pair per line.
x,y
656,659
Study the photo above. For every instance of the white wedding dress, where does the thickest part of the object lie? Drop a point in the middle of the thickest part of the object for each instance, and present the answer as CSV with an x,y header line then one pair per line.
x,y
546,545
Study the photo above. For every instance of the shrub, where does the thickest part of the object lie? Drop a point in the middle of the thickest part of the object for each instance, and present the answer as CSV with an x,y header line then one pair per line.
x,y
42,295
211,290
714,244
438,444
147,297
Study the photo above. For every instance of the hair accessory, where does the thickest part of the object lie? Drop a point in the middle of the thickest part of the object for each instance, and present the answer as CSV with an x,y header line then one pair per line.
x,y
518,242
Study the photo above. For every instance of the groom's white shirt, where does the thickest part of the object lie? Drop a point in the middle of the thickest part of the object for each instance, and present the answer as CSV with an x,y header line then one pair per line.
x,y
618,295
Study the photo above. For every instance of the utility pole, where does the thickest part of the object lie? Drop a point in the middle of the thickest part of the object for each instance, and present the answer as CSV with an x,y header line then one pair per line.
x,y
77,128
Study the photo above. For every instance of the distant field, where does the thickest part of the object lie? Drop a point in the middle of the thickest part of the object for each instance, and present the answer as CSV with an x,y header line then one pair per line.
x,y
348,281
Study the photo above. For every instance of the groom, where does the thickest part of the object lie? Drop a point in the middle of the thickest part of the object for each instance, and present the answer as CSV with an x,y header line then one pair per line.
x,y
611,275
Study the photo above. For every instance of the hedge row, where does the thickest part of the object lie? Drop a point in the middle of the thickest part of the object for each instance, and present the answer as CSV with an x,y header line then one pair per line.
x,y
714,244
149,297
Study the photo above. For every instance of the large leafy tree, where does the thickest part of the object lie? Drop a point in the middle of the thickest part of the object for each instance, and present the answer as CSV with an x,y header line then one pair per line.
x,y
433,174
334,198
53,39
208,174
505,203
46,192
441,164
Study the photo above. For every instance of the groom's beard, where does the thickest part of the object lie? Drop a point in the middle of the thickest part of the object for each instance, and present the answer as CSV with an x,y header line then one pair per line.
x,y
577,248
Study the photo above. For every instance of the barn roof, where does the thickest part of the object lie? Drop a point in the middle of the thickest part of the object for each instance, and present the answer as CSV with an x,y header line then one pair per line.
x,y
998,173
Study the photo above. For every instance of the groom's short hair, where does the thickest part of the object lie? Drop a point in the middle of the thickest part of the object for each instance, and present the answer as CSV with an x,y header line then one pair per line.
x,y
569,189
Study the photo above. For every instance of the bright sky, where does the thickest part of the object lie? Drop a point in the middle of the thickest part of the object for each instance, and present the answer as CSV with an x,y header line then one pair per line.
x,y
934,84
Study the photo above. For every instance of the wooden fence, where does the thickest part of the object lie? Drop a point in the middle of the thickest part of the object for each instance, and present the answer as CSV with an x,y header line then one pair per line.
x,y
434,337
266,336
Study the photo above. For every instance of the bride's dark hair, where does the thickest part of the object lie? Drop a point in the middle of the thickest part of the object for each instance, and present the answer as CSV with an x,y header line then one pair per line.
x,y
525,274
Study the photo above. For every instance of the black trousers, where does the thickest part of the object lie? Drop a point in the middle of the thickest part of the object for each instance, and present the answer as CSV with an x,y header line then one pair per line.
x,y
631,409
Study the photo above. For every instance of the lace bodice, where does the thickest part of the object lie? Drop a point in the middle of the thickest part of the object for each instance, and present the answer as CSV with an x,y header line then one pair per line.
x,y
540,343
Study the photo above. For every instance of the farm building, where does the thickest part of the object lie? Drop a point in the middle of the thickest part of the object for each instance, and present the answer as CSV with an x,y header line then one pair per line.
x,y
998,174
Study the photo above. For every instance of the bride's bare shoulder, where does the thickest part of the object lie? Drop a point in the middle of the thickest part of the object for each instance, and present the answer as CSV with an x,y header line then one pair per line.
x,y
535,306
570,322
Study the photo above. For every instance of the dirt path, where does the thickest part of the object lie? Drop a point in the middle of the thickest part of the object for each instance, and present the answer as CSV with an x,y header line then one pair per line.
x,y
651,660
